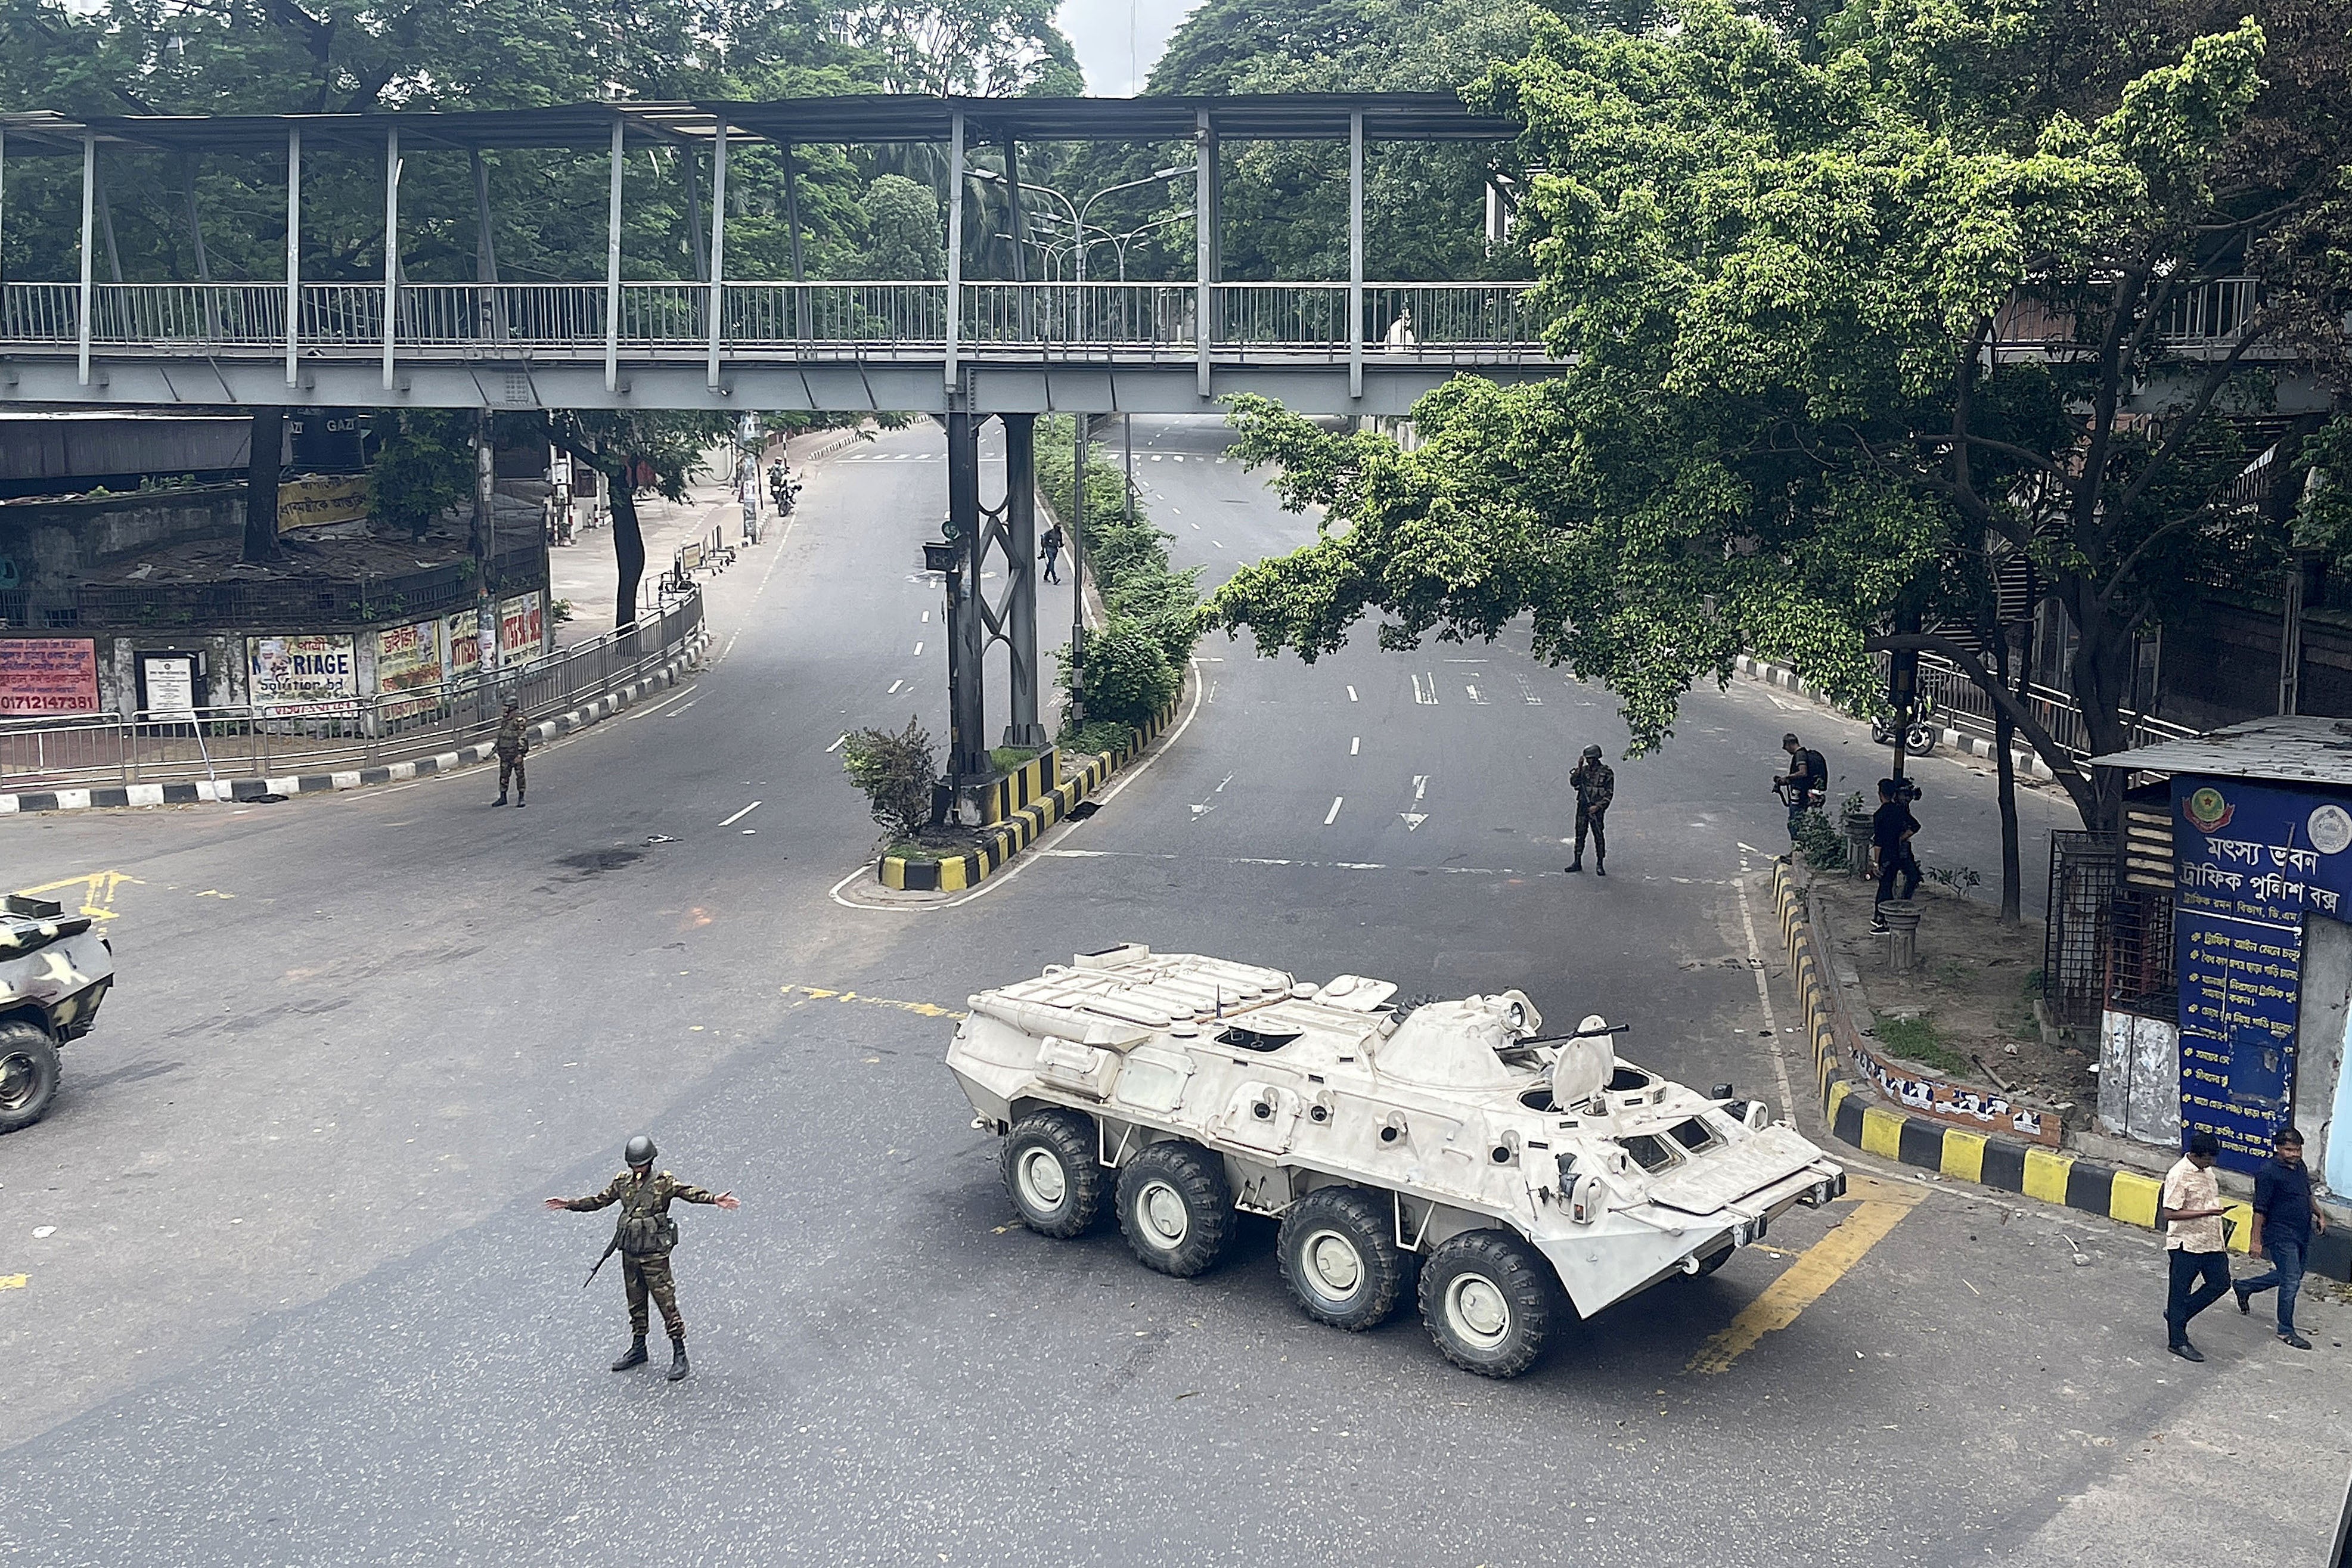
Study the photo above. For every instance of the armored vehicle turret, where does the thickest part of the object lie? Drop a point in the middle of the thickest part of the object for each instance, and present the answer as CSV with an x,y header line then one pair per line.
x,y
1518,1168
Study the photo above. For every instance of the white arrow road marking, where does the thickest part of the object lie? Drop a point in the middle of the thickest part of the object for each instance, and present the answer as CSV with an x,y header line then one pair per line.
x,y
1475,697
1333,815
1221,783
741,815
1414,819
1419,785
1424,690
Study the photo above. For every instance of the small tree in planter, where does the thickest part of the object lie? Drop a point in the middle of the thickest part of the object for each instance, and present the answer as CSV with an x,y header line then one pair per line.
x,y
896,772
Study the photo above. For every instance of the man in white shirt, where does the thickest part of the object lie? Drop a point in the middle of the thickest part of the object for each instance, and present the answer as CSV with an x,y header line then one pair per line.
x,y
2190,1211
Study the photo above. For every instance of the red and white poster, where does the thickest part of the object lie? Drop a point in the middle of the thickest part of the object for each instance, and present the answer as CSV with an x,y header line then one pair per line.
x,y
49,674
458,632
522,629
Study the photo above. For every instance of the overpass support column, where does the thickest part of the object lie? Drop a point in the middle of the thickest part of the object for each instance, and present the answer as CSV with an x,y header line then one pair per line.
x,y
967,638
1356,254
1021,575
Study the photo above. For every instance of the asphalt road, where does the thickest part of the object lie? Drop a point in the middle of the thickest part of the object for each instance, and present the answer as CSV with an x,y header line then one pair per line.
x,y
288,1296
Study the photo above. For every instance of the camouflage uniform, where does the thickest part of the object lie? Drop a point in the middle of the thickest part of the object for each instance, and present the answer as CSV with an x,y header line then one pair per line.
x,y
1596,786
649,1275
512,744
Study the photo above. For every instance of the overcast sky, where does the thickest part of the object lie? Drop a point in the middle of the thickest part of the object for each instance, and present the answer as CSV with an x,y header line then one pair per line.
x,y
1119,40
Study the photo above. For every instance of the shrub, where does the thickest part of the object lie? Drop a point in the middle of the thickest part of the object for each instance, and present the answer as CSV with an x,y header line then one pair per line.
x,y
896,772
1823,846
1166,603
1128,677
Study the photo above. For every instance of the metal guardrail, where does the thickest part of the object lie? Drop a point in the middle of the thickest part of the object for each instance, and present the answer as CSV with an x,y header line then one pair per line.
x,y
368,732
570,318
1961,704
343,601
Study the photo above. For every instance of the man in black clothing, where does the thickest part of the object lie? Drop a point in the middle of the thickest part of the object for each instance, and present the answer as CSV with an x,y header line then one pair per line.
x,y
2285,1220
1805,787
1890,827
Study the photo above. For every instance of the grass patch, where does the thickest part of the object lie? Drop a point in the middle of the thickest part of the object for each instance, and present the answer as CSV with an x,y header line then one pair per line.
x,y
1101,735
1916,1039
1010,759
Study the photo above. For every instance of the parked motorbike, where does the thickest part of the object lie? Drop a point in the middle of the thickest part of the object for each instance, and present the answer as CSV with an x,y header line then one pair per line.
x,y
1919,740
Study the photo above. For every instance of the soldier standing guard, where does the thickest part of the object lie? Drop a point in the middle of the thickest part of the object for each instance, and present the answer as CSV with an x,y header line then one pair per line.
x,y
513,743
1595,785
644,1235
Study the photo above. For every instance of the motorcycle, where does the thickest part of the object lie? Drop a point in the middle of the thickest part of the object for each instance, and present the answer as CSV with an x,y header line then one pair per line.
x,y
1918,740
784,492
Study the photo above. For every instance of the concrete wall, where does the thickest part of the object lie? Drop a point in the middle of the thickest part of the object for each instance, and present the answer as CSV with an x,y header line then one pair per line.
x,y
50,540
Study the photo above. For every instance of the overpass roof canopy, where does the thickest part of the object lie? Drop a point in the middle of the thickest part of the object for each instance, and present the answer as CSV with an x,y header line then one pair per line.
x,y
866,117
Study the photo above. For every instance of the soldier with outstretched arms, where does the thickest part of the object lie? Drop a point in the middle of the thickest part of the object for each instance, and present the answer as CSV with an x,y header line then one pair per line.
x,y
644,1235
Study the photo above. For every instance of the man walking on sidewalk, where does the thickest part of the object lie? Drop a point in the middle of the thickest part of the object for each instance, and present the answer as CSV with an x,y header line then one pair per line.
x,y
2284,1221
513,743
2190,1211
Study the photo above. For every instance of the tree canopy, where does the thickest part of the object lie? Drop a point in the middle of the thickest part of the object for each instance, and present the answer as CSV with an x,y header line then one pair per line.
x,y
1786,255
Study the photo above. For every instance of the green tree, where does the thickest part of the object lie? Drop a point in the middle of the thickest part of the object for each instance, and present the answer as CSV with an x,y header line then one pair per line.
x,y
424,466
902,231
634,451
1785,268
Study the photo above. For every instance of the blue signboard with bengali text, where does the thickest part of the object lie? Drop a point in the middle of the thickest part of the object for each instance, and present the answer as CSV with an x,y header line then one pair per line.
x,y
2251,861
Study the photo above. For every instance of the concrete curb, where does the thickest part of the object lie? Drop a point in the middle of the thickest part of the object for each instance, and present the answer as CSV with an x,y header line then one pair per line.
x,y
203,790
1780,676
1021,827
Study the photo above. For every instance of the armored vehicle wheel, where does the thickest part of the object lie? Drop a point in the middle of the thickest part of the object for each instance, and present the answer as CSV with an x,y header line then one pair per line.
x,y
1340,1258
1050,1171
28,1074
1176,1208
1487,1300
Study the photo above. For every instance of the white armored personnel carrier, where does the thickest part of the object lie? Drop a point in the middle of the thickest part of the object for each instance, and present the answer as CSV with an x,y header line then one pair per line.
x,y
1512,1166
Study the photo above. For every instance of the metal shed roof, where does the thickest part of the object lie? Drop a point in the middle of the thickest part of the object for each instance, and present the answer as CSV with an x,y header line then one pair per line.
x,y
2298,749
861,117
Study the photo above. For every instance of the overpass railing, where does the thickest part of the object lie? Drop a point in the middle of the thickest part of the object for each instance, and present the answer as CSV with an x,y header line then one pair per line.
x,y
325,737
475,318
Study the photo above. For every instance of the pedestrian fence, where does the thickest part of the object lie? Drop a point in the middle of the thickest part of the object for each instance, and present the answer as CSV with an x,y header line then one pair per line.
x,y
325,737
710,553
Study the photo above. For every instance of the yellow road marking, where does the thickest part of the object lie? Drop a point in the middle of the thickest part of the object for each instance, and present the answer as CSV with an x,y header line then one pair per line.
x,y
1822,1265
927,1010
98,891
12,1281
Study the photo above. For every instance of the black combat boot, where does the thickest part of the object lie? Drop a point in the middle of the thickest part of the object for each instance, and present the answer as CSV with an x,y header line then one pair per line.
x,y
500,800
677,1360
1600,866
1576,865
635,1355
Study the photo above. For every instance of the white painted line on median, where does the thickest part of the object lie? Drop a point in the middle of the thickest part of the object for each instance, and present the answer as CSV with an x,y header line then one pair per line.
x,y
1764,997
1333,814
836,745
1355,744
741,815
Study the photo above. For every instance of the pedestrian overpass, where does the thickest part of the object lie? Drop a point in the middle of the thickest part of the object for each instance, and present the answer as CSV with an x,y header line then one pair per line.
x,y
717,340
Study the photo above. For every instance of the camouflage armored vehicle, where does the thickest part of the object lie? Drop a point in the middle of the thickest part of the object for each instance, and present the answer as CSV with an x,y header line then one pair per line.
x,y
1514,1166
54,971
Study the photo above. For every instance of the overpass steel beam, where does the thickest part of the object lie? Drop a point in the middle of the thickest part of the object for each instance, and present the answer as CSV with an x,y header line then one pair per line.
x,y
718,253
294,258
391,249
955,261
612,266
1019,619
88,208
1356,252
1204,169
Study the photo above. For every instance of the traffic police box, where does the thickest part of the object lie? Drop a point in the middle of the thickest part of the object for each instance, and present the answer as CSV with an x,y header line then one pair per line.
x,y
2260,849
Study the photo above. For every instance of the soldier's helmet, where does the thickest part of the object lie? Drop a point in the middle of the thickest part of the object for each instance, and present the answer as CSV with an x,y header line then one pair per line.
x,y
513,701
641,1151
1593,754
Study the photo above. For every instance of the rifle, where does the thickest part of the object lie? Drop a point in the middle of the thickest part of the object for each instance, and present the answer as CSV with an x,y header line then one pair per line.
x,y
610,1247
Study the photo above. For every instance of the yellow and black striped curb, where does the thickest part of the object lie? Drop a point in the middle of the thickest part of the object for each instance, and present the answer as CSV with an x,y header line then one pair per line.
x,y
2005,1164
1023,786
1020,826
